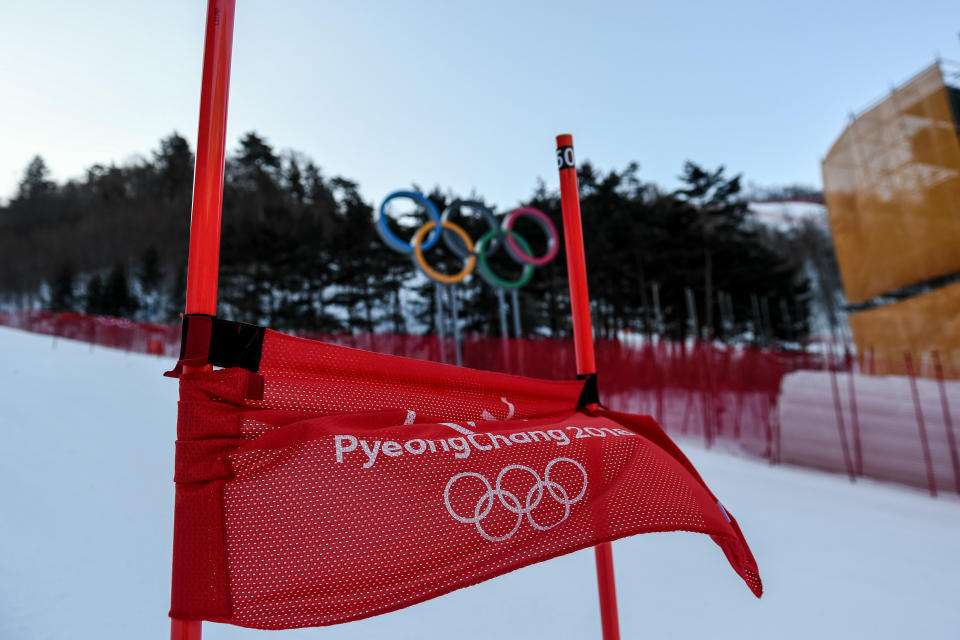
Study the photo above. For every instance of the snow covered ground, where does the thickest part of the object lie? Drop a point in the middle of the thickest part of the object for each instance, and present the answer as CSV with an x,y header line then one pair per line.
x,y
86,517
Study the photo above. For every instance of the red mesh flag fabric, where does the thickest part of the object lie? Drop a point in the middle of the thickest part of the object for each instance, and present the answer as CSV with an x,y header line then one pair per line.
x,y
335,484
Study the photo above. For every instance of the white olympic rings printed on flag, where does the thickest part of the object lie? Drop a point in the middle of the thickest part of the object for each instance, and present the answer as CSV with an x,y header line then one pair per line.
x,y
512,503
456,239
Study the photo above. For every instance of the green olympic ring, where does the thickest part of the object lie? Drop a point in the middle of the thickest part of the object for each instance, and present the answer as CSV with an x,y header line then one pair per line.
x,y
487,272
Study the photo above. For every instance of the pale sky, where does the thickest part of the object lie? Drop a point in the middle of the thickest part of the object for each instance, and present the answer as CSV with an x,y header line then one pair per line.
x,y
465,95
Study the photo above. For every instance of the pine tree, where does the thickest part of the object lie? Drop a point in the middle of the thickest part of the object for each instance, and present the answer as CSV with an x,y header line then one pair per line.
x,y
293,179
150,277
94,296
62,296
720,213
35,184
357,249
173,162
176,300
257,166
117,299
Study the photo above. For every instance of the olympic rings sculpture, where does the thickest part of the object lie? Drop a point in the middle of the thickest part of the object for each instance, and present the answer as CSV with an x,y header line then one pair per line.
x,y
474,254
511,502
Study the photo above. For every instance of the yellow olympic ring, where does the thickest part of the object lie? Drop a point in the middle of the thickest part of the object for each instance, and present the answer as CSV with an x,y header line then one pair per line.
x,y
421,261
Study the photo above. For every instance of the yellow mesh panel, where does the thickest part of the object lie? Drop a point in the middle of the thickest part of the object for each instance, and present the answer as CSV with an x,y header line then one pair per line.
x,y
892,187
919,326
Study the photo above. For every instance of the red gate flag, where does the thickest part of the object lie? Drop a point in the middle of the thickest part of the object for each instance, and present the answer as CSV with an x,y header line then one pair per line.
x,y
317,484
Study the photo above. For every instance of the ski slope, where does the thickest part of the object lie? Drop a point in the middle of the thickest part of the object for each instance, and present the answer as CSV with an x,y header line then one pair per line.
x,y
87,505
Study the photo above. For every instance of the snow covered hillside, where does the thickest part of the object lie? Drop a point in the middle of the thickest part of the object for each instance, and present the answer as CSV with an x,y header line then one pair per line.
x,y
786,214
86,523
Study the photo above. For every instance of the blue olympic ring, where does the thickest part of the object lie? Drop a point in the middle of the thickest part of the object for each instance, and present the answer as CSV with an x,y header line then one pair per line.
x,y
391,239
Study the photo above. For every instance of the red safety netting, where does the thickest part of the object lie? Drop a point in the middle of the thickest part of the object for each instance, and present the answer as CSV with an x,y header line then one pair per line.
x,y
336,484
107,331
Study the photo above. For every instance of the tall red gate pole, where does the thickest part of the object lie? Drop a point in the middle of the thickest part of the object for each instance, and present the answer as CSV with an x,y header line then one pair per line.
x,y
583,346
204,261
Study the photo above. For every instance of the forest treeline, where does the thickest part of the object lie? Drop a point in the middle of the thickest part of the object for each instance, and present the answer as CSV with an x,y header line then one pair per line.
x,y
300,251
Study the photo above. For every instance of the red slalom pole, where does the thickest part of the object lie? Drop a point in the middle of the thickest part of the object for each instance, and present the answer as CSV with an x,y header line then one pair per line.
x,y
203,265
583,347
204,262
